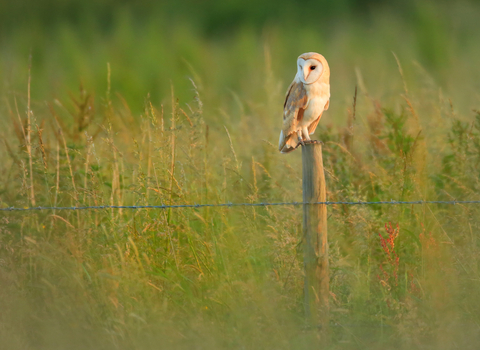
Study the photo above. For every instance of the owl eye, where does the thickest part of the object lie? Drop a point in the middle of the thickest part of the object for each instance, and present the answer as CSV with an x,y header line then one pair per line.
x,y
313,67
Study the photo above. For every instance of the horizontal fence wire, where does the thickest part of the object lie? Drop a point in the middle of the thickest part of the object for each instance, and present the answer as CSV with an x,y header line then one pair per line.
x,y
177,206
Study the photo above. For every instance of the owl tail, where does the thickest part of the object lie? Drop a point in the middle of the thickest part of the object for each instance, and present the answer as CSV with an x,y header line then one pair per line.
x,y
287,144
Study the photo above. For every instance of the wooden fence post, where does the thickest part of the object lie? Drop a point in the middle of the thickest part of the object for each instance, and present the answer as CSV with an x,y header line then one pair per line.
x,y
316,287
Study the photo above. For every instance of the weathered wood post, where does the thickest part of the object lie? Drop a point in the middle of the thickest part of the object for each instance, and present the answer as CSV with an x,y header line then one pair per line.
x,y
315,249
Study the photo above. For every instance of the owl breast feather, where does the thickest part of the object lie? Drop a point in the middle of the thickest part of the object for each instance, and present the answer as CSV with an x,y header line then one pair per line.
x,y
316,104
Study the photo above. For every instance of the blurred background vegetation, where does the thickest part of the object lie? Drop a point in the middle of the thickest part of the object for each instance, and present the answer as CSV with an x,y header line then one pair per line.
x,y
180,102
150,44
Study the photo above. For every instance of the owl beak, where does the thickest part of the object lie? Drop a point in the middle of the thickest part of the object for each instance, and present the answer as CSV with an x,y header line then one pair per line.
x,y
306,73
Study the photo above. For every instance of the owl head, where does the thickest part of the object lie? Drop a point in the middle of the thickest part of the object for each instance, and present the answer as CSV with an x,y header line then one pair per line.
x,y
312,67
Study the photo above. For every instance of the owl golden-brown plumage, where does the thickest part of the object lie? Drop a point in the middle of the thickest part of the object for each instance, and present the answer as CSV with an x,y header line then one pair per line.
x,y
307,97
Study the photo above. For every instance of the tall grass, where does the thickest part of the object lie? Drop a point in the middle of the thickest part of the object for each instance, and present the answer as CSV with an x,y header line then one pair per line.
x,y
214,278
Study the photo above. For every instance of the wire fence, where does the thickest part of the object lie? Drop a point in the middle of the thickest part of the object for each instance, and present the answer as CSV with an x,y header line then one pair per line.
x,y
263,204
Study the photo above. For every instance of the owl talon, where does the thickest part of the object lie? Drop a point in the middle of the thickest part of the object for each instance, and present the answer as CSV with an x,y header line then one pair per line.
x,y
314,142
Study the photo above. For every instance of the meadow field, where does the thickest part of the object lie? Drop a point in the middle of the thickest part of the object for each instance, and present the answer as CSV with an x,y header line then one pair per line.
x,y
119,105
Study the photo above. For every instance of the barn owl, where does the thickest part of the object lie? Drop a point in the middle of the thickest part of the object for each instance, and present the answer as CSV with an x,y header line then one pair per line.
x,y
307,97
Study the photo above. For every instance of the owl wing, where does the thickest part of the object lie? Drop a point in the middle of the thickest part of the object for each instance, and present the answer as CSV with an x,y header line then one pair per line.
x,y
295,104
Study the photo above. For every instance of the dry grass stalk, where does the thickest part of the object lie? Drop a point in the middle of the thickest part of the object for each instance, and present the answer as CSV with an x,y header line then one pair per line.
x,y
65,147
85,181
255,188
149,159
186,115
29,131
401,73
20,123
237,166
57,183
115,181
172,164
42,147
